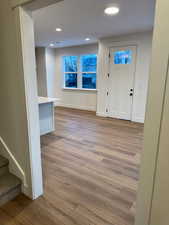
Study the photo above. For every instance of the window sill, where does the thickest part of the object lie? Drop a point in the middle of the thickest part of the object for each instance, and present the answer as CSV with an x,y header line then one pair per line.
x,y
79,89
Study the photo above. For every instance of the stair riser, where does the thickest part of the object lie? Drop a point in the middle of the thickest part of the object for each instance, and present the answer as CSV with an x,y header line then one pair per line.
x,y
10,195
3,170
10,185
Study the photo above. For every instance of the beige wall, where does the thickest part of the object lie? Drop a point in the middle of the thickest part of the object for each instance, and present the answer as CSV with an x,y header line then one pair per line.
x,y
41,71
160,201
160,198
13,116
153,200
33,4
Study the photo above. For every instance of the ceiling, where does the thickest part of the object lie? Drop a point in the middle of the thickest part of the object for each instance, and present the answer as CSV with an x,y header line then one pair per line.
x,y
80,19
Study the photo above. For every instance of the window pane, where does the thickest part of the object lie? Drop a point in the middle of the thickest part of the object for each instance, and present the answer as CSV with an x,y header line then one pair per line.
x,y
71,80
89,80
70,63
123,57
89,63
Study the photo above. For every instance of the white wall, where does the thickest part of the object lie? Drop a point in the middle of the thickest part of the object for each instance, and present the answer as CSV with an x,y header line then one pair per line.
x,y
143,42
13,116
46,71
80,99
50,57
32,107
90,100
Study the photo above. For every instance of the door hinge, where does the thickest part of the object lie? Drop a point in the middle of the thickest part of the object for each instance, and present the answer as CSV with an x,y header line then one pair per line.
x,y
107,110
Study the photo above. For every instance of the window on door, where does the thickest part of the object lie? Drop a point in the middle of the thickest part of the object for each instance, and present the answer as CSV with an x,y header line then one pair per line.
x,y
123,57
80,71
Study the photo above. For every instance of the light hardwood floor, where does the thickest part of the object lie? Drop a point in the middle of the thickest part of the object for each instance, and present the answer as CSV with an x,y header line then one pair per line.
x,y
91,171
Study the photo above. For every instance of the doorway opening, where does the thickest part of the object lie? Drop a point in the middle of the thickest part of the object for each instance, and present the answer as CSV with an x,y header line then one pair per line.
x,y
122,82
93,161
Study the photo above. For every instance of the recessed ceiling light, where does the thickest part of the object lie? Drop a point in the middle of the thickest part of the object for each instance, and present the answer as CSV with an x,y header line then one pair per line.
x,y
58,29
87,39
52,45
113,10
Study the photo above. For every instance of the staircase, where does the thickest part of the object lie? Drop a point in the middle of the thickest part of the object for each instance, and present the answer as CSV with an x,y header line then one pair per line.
x,y
10,185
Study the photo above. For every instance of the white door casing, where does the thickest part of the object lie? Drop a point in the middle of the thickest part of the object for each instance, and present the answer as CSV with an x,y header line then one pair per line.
x,y
121,84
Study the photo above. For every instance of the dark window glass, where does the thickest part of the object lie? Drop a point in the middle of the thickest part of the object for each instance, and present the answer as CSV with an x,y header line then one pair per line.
x,y
123,57
70,63
89,80
71,80
89,63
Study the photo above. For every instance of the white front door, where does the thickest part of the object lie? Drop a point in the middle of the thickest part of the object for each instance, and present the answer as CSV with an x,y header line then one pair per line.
x,y
121,82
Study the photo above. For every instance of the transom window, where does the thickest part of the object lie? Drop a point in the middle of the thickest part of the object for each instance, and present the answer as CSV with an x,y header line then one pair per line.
x,y
80,71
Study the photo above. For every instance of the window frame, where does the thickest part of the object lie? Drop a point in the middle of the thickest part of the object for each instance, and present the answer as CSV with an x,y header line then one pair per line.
x,y
65,79
79,74
130,58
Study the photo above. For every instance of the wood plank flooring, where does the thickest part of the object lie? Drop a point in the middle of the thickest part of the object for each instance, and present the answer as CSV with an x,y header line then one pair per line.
x,y
91,171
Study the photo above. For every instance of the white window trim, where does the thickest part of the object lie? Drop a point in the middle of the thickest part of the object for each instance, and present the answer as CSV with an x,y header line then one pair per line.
x,y
79,76
79,89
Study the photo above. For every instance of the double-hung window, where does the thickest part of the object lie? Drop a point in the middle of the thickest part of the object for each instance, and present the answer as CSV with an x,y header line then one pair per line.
x,y
80,71
70,64
88,70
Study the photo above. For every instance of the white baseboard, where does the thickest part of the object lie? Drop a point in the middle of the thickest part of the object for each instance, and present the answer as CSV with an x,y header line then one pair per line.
x,y
138,119
57,102
101,114
134,119
76,107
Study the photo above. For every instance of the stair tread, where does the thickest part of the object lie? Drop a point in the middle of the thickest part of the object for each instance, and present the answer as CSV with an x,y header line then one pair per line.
x,y
3,161
8,182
